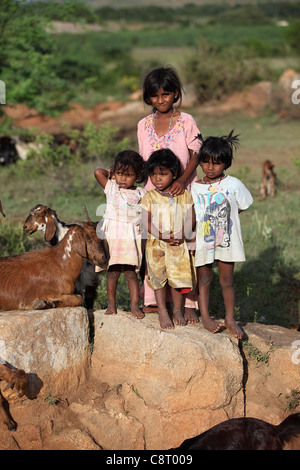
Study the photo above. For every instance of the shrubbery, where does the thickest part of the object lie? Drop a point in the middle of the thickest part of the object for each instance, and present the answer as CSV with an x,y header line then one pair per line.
x,y
216,74
13,241
66,163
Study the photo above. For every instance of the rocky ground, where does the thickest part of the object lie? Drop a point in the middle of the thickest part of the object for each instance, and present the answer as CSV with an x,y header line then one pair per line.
x,y
152,389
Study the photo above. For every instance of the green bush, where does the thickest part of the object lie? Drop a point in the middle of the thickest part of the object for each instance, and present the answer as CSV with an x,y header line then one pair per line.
x,y
91,144
293,35
13,241
217,74
67,168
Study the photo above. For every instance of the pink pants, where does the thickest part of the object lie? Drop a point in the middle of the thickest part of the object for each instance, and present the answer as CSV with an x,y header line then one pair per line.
x,y
149,297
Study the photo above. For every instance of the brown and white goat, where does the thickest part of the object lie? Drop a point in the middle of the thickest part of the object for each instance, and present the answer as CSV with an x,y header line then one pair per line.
x,y
15,378
44,219
46,278
267,187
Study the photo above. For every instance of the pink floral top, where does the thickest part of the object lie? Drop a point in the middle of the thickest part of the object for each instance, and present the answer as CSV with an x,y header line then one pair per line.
x,y
180,139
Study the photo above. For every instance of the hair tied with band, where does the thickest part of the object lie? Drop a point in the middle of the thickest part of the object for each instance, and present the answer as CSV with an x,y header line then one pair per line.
x,y
199,137
232,140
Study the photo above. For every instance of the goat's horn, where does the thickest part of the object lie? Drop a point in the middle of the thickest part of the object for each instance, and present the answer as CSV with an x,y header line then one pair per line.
x,y
9,385
86,213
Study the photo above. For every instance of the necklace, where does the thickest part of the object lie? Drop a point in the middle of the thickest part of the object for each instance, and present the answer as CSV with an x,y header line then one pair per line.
x,y
211,188
134,203
171,120
171,199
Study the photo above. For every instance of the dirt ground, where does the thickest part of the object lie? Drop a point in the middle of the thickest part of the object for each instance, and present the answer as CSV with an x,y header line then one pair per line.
x,y
54,423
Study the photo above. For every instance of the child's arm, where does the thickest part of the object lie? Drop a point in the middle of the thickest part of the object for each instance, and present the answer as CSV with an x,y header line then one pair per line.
x,y
102,176
178,186
150,227
189,234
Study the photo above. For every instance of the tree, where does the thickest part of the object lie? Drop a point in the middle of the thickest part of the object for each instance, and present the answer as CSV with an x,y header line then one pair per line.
x,y
293,35
27,54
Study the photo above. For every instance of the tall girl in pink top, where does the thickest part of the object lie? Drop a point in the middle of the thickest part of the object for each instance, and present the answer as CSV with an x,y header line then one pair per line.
x,y
167,127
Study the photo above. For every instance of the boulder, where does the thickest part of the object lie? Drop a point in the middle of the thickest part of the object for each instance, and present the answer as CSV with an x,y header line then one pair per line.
x,y
175,382
51,345
272,371
286,80
143,387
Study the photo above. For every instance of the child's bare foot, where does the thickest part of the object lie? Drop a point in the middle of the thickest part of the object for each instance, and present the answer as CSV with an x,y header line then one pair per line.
x,y
211,325
234,328
190,315
136,312
111,310
165,320
178,318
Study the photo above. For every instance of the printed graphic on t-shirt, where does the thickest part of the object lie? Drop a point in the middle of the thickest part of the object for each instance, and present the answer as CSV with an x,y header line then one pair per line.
x,y
216,224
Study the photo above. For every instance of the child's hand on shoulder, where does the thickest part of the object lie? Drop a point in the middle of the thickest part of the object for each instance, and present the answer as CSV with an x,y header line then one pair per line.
x,y
177,188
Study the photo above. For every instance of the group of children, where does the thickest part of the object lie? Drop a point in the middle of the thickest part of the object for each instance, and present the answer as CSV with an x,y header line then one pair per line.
x,y
181,225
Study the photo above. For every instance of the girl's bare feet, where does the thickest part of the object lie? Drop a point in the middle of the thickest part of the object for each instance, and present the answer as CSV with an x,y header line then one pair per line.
x,y
165,320
178,318
211,325
190,315
111,309
136,312
234,327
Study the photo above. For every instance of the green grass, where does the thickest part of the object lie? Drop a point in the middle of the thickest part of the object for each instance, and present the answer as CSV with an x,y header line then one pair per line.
x,y
267,284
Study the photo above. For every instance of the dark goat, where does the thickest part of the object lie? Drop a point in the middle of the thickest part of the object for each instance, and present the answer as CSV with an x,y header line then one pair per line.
x,y
42,218
15,378
46,278
8,152
245,434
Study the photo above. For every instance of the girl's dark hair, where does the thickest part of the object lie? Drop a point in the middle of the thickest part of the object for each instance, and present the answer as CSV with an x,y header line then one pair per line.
x,y
130,159
164,158
220,149
163,77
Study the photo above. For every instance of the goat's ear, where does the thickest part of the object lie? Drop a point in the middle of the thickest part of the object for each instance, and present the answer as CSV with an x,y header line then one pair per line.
x,y
9,385
106,248
79,243
50,228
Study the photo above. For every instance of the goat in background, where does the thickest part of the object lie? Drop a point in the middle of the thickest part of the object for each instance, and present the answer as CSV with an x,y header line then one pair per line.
x,y
267,187
44,219
46,278
15,378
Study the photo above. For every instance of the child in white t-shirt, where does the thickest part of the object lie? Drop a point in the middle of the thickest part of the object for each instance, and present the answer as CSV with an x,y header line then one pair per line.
x,y
218,200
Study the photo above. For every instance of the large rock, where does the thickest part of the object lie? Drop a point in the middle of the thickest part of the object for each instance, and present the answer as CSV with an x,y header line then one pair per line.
x,y
252,100
187,379
147,388
51,345
272,371
286,80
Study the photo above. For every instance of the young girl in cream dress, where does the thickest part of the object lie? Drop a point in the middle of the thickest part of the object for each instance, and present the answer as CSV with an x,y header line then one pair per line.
x,y
122,225
169,221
